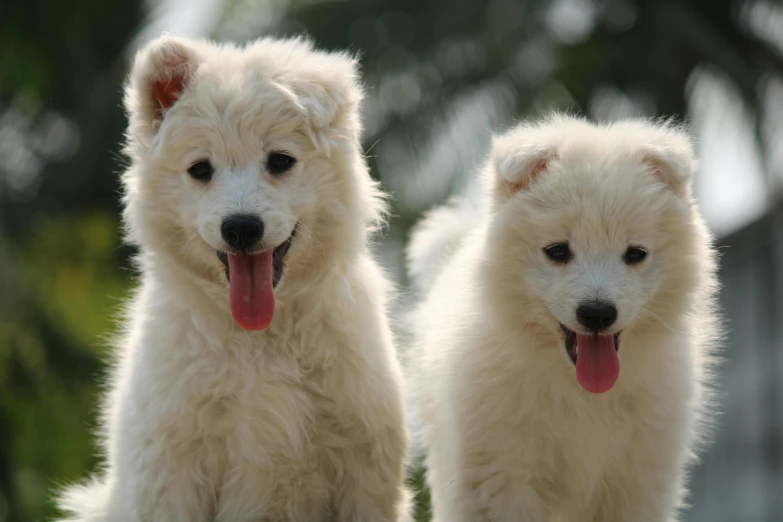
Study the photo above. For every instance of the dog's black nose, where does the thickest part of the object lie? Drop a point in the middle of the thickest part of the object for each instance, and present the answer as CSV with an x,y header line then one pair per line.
x,y
242,231
596,315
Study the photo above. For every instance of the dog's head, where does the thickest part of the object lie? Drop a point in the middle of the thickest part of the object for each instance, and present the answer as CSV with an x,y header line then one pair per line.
x,y
594,233
246,166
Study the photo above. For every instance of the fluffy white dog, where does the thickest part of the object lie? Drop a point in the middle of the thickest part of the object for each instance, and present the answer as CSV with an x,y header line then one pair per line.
x,y
257,379
564,342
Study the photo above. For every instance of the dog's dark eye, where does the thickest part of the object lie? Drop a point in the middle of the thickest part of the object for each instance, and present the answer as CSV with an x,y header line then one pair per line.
x,y
634,255
279,163
201,170
559,253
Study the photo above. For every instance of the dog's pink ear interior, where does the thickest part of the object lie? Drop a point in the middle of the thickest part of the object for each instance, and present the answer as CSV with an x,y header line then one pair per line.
x,y
673,163
161,73
525,180
518,165
167,91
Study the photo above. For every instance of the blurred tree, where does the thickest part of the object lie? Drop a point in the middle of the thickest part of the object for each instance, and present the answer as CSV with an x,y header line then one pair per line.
x,y
440,75
645,48
61,72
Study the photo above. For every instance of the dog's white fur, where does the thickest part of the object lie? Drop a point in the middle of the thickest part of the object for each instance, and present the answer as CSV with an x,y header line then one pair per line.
x,y
204,422
511,435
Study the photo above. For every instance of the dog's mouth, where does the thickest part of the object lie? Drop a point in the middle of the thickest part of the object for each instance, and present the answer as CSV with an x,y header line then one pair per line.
x,y
572,347
595,357
278,255
252,278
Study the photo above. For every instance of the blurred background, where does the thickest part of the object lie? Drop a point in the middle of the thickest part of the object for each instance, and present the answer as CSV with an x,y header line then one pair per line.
x,y
441,75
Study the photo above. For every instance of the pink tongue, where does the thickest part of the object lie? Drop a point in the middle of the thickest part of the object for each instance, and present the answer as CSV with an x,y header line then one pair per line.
x,y
252,292
597,365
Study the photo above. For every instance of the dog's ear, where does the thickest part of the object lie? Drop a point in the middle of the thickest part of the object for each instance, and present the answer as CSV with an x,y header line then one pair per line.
x,y
161,72
518,158
670,155
327,88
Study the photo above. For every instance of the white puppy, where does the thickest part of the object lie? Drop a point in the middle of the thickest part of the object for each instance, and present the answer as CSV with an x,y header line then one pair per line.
x,y
257,379
564,343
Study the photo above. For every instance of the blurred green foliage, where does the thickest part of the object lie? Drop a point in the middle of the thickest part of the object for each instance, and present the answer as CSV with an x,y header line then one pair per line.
x,y
64,272
417,483
62,278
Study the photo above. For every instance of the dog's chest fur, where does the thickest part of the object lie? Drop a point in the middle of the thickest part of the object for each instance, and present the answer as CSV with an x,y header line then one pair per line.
x,y
256,412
